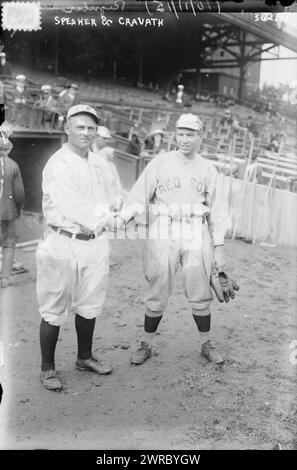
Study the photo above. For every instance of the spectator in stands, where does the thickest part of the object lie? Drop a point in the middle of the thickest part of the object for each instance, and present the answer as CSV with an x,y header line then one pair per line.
x,y
276,140
12,197
251,127
175,83
46,100
5,67
179,95
154,143
134,146
227,119
66,99
19,94
18,99
47,103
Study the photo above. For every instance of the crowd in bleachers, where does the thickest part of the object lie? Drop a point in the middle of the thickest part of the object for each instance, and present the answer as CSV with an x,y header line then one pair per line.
x,y
229,132
275,101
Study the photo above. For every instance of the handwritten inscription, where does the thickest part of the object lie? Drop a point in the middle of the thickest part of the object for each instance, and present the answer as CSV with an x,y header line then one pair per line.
x,y
66,21
177,6
144,22
103,21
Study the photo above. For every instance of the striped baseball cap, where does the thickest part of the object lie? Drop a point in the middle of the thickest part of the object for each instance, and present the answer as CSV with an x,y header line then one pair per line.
x,y
189,121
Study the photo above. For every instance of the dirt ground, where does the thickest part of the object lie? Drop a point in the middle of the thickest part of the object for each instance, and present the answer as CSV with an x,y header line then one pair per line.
x,y
176,400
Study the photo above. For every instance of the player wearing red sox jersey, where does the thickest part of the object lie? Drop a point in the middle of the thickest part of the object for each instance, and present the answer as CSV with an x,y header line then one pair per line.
x,y
186,226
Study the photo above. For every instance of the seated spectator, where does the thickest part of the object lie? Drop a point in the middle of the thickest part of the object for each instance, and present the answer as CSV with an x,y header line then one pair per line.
x,y
19,93
5,67
251,127
134,146
154,143
227,119
47,103
46,100
275,141
67,98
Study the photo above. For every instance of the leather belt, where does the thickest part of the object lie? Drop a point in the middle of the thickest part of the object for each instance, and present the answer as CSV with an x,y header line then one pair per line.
x,y
78,236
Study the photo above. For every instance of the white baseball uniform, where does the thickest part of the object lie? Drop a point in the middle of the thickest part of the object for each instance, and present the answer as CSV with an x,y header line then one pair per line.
x,y
180,195
107,175
71,273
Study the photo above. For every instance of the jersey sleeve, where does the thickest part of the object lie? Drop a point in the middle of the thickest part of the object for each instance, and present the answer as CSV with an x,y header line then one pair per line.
x,y
142,192
218,219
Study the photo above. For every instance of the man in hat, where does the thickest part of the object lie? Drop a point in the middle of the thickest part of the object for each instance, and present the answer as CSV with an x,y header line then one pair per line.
x,y
12,196
19,99
227,119
5,67
186,225
47,103
72,256
46,100
20,90
67,98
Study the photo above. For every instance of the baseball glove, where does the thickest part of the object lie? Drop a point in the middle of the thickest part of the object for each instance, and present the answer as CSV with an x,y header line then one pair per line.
x,y
223,285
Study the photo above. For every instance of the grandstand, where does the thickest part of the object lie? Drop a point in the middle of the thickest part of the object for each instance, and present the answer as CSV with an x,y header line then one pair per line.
x,y
104,76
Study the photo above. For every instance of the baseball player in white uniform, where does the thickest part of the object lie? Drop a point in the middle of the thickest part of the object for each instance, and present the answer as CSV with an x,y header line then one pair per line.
x,y
72,256
186,225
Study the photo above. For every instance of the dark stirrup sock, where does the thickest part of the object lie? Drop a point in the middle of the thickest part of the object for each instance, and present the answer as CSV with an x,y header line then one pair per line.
x,y
84,330
151,323
202,322
48,335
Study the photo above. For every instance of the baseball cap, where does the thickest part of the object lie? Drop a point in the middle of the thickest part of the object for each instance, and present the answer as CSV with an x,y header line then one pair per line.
x,y
20,77
46,88
82,109
189,121
102,131
73,85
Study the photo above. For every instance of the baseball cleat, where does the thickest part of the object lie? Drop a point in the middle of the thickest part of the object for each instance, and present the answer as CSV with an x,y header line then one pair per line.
x,y
93,365
209,352
143,353
51,381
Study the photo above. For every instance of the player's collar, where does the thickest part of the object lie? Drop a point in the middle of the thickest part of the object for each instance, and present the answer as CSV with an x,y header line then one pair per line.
x,y
185,159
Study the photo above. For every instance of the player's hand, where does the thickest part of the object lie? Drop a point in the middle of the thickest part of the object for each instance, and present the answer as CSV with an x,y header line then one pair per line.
x,y
219,258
